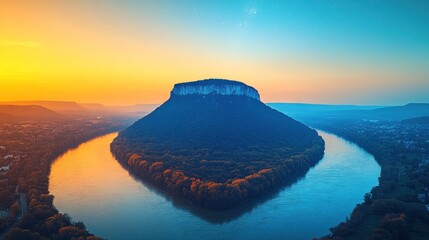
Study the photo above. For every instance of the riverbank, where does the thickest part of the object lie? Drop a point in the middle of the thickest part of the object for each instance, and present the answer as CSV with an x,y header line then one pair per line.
x,y
395,208
30,170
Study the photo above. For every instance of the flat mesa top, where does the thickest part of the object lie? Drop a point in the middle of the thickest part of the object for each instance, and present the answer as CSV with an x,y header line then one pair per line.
x,y
213,81
215,86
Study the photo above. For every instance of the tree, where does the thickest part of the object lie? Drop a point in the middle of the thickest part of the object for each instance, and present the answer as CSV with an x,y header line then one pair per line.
x,y
23,234
367,198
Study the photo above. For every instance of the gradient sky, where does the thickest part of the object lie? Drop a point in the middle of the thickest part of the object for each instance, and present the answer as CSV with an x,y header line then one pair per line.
x,y
127,52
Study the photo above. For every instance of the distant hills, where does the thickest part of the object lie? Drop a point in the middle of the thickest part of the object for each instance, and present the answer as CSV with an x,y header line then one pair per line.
x,y
410,110
5,118
58,106
419,120
395,113
305,112
57,110
311,112
30,112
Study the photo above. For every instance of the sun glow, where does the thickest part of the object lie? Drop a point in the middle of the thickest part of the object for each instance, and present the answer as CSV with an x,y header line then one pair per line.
x,y
131,52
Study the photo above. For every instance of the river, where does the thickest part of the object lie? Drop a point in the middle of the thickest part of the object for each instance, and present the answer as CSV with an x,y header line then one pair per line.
x,y
91,186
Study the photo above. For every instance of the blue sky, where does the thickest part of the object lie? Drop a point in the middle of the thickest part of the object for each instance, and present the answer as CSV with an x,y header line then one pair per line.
x,y
330,51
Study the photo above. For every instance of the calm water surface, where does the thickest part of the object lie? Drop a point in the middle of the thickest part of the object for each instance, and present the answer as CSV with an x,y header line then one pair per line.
x,y
91,186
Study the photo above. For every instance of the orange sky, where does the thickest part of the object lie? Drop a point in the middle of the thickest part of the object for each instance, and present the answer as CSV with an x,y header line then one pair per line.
x,y
128,53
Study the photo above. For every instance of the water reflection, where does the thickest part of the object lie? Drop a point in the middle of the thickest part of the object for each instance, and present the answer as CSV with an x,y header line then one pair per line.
x,y
216,216
90,185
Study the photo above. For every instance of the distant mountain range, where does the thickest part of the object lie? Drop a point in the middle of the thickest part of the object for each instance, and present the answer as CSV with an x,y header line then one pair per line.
x,y
58,106
4,118
302,111
418,120
57,110
310,112
410,110
299,110
31,112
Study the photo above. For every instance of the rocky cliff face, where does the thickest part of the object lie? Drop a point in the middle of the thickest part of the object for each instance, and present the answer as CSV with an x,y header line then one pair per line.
x,y
215,87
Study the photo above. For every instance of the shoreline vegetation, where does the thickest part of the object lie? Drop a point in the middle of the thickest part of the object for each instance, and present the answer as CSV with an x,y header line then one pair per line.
x,y
31,175
217,195
397,208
